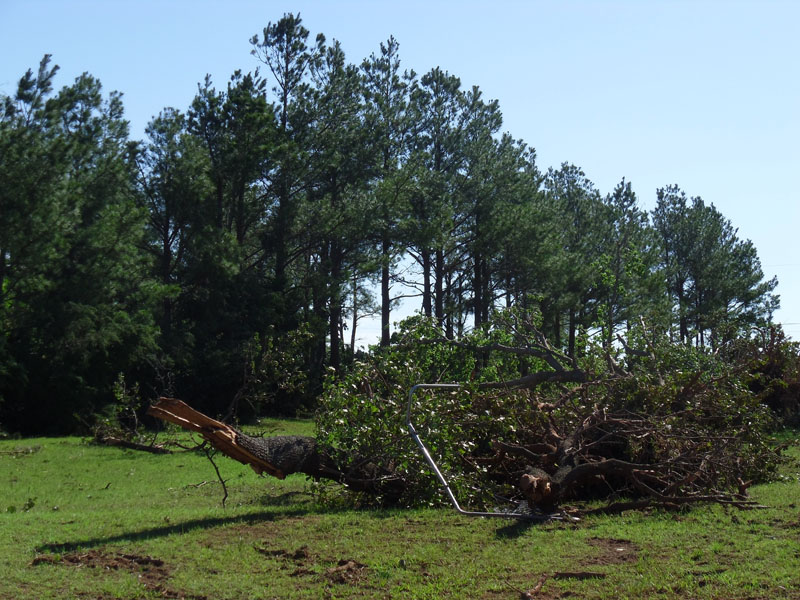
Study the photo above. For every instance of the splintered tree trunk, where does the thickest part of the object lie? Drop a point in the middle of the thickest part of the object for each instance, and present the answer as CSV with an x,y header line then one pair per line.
x,y
280,455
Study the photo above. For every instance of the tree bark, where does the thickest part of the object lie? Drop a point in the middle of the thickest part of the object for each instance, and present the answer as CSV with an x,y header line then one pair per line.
x,y
427,305
438,294
281,455
386,301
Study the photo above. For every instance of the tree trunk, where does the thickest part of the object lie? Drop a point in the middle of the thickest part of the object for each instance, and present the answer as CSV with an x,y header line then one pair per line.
x,y
386,301
319,309
335,308
427,305
573,326
477,292
281,455
334,286
439,286
355,316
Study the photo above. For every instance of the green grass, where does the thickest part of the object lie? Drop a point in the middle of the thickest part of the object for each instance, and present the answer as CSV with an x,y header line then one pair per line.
x,y
84,521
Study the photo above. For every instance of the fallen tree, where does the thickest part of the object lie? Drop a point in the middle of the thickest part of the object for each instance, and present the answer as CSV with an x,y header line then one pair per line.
x,y
646,423
651,426
277,456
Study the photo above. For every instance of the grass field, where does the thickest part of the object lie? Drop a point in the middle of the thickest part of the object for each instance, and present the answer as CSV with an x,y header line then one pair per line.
x,y
84,521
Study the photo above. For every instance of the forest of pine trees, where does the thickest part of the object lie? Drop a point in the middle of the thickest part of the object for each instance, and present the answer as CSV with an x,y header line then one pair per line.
x,y
229,257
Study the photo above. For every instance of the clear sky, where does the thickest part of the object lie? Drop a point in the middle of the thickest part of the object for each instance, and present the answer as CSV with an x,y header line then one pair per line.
x,y
702,94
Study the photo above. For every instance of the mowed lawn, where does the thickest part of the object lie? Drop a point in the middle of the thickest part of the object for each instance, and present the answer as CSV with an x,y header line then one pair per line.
x,y
85,521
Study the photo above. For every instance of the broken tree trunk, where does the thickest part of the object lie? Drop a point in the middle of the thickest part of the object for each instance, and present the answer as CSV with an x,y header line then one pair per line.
x,y
280,455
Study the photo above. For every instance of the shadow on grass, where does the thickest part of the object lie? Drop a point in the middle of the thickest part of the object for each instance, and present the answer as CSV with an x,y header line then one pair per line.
x,y
515,529
177,528
289,498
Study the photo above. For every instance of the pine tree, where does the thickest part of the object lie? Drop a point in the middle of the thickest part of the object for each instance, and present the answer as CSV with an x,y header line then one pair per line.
x,y
714,279
387,96
77,296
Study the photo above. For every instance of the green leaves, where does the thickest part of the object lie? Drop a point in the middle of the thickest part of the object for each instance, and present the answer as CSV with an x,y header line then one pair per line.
x,y
76,303
714,279
363,414
688,411
251,230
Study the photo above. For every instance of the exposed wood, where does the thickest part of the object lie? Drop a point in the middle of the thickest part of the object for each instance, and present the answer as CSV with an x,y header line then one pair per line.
x,y
538,489
278,456
281,455
590,457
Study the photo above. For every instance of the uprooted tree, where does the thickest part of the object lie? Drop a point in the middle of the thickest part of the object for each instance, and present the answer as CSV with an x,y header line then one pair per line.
x,y
645,423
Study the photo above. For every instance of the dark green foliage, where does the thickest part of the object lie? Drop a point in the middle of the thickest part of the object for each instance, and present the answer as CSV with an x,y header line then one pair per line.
x,y
364,414
773,361
77,300
626,277
714,279
224,258
388,117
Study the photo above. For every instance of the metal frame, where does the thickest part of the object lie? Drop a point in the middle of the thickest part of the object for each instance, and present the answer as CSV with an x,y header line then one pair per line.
x,y
415,436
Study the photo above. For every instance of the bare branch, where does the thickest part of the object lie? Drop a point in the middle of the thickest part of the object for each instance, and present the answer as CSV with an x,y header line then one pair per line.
x,y
536,379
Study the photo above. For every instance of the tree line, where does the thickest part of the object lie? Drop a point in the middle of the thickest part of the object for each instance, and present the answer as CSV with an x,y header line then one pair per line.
x,y
229,257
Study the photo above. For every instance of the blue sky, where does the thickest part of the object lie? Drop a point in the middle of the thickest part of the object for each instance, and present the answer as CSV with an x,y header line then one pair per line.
x,y
703,94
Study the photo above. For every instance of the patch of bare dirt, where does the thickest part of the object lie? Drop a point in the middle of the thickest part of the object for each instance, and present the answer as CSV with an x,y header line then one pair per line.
x,y
152,573
299,558
612,552
539,591
300,555
346,571
542,588
264,530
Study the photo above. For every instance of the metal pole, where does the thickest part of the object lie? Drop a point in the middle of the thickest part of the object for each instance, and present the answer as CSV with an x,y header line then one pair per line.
x,y
415,436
